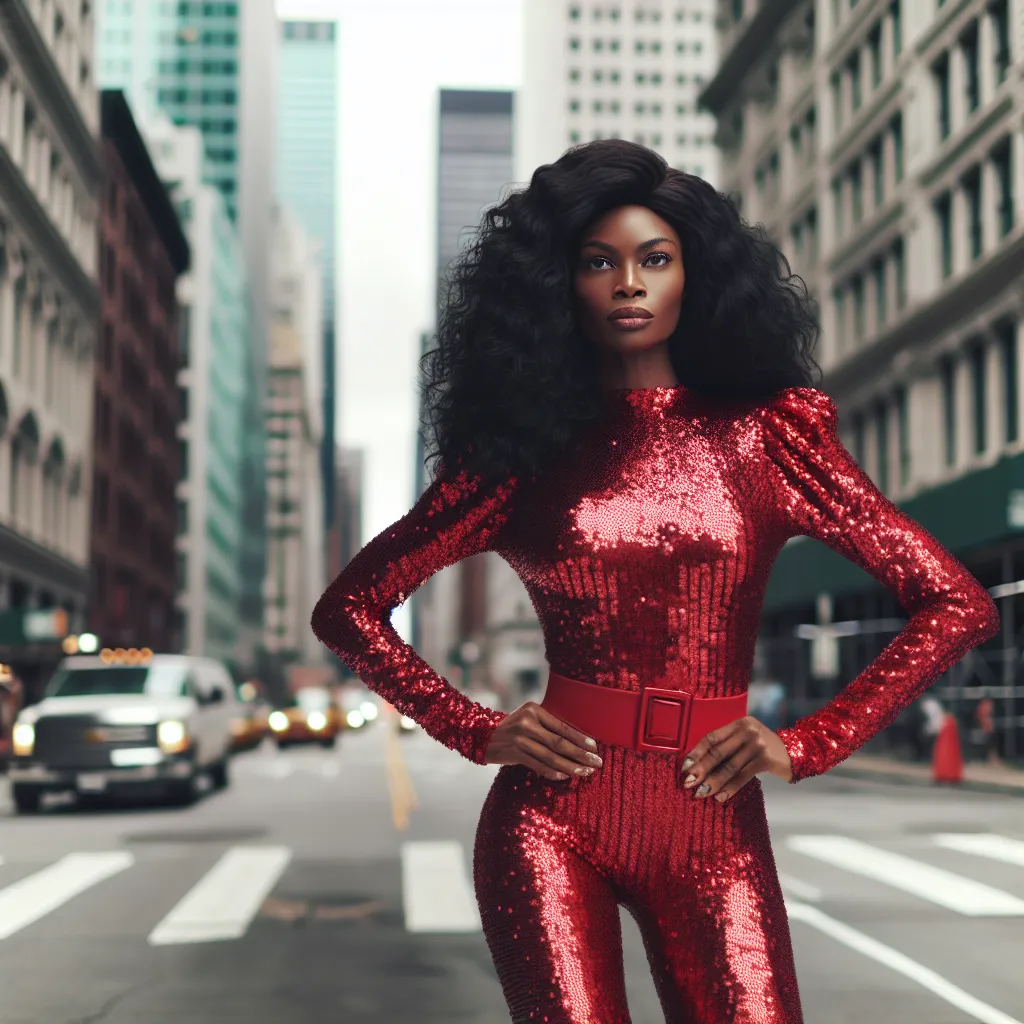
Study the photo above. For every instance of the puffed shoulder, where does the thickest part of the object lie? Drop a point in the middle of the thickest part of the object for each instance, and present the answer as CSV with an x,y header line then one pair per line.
x,y
800,415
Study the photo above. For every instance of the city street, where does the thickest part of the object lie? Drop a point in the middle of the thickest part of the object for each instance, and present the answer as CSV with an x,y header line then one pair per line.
x,y
293,897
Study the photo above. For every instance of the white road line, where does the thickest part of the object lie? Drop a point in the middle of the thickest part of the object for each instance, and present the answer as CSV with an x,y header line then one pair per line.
x,y
802,890
226,899
329,769
436,892
984,844
954,892
898,962
25,902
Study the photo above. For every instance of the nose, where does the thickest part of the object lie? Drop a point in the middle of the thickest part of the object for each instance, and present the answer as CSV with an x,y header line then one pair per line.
x,y
629,283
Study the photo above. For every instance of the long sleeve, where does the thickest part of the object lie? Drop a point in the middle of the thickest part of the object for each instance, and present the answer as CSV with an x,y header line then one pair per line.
x,y
823,493
454,518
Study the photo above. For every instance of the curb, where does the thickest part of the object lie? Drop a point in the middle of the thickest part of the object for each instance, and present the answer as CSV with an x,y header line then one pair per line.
x,y
894,775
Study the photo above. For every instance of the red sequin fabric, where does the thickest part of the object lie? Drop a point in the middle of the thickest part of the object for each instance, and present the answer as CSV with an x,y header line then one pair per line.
x,y
647,560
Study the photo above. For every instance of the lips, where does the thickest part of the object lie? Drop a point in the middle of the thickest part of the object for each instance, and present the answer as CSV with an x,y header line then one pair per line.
x,y
631,313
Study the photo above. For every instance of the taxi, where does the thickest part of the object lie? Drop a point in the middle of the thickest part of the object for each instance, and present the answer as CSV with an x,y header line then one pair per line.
x,y
125,721
249,727
312,716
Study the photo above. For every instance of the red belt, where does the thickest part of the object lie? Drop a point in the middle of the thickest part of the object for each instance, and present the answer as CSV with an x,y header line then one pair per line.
x,y
672,721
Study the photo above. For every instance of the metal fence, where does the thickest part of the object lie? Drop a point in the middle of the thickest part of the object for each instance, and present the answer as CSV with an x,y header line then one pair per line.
x,y
816,661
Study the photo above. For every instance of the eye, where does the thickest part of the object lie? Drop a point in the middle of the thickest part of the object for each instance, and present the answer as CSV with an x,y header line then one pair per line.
x,y
593,259
661,256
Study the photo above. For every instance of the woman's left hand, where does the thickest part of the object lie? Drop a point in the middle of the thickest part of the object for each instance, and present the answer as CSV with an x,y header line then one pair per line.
x,y
726,759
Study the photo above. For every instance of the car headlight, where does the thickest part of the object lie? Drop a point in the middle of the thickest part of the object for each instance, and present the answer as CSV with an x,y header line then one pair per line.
x,y
406,722
24,738
172,736
369,710
355,719
278,721
316,720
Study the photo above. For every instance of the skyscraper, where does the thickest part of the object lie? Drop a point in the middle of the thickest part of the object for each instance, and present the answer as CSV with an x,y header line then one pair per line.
x,y
212,66
474,617
307,142
630,69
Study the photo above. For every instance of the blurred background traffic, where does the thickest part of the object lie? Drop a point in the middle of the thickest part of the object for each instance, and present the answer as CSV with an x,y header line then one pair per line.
x,y
224,232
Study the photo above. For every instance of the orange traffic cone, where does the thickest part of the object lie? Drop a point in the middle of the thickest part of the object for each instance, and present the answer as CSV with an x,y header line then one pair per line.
x,y
947,759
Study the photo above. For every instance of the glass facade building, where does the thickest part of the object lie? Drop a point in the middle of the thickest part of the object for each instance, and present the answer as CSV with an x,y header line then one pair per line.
x,y
307,143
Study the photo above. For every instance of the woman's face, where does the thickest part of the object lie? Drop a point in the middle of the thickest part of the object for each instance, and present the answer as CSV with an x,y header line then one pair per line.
x,y
630,261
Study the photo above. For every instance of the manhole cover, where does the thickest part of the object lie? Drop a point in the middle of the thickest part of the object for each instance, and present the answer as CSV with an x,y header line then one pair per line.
x,y
222,835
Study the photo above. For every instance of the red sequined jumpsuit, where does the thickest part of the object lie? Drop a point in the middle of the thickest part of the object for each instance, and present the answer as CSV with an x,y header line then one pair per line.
x,y
648,560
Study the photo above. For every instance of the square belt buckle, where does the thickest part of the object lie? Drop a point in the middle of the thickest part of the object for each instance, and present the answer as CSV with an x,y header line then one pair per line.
x,y
663,720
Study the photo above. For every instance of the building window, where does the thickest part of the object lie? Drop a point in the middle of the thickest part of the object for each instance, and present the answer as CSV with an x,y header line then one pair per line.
x,y
812,233
839,301
944,218
837,205
878,273
947,371
976,352
972,84
896,17
858,438
853,70
940,76
903,435
882,445
999,12
1006,332
972,193
857,295
856,190
1004,183
875,154
835,86
897,146
574,13
875,55
899,265
574,43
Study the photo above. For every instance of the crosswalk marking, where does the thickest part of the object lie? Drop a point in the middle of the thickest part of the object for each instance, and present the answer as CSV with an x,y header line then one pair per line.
x,y
802,890
984,844
899,962
226,899
25,902
949,890
436,891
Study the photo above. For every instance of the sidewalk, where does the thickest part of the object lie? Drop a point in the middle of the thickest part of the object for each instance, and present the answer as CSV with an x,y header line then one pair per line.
x,y
977,776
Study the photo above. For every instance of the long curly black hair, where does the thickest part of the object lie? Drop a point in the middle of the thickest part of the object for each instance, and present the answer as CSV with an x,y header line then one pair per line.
x,y
512,380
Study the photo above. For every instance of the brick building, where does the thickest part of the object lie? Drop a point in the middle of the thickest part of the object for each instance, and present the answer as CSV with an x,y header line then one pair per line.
x,y
142,252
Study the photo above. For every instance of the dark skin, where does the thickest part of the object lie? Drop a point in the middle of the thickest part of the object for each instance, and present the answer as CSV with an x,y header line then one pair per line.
x,y
631,257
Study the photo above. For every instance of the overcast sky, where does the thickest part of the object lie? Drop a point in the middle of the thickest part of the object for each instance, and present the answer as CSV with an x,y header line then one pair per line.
x,y
394,58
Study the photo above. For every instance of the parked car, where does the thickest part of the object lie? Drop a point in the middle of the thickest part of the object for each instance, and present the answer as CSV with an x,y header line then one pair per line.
x,y
312,716
125,723
250,726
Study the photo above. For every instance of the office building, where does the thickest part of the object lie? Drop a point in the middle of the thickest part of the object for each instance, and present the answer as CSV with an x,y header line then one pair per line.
x,y
307,176
136,404
213,354
882,146
51,180
296,573
630,69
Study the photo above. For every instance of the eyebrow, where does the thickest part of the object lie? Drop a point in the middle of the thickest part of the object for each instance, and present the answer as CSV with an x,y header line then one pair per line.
x,y
649,244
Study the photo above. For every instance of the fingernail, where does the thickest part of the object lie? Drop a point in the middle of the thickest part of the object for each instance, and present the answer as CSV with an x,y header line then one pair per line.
x,y
584,771
591,744
559,775
689,781
688,764
702,790
721,797
596,761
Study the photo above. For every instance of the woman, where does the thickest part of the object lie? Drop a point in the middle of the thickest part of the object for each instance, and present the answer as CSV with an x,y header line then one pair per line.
x,y
621,407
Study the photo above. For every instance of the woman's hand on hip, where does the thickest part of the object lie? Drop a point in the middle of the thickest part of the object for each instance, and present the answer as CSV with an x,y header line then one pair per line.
x,y
726,759
533,737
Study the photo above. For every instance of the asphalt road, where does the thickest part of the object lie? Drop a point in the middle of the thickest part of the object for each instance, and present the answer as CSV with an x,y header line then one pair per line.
x,y
333,886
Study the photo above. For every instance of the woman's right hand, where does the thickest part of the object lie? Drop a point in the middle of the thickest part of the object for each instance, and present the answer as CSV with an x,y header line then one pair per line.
x,y
533,737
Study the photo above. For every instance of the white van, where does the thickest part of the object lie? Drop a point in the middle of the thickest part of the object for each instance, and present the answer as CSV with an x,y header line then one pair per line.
x,y
125,722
